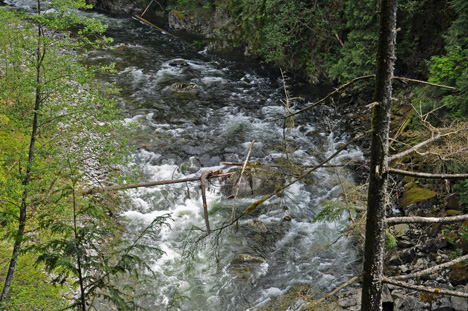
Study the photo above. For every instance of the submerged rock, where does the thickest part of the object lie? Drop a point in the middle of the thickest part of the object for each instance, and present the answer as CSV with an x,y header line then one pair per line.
x,y
178,63
257,225
240,259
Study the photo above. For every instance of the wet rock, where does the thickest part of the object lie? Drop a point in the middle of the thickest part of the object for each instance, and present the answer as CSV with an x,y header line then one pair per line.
x,y
460,303
452,201
240,259
287,218
178,63
183,88
400,230
403,257
350,300
257,225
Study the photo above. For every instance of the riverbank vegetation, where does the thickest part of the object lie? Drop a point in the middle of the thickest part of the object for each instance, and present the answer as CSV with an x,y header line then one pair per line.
x,y
60,132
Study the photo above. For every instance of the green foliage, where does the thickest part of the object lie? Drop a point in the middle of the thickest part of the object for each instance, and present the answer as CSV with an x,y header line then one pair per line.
x,y
32,289
332,210
57,126
390,240
452,68
357,56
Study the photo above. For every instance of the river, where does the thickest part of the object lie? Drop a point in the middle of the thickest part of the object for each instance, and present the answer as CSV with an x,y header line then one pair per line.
x,y
237,102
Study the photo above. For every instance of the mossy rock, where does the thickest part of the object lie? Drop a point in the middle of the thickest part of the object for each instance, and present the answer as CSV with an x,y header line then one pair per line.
x,y
415,195
459,274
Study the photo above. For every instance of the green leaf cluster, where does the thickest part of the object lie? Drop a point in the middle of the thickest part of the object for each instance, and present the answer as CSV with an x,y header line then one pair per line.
x,y
452,67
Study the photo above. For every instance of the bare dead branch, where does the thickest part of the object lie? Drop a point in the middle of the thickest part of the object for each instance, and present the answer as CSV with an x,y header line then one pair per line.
x,y
203,178
424,288
416,147
233,213
426,175
424,82
427,220
431,269
147,184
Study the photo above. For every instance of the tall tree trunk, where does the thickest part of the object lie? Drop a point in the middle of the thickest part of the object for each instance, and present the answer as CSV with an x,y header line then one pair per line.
x,y
377,196
19,236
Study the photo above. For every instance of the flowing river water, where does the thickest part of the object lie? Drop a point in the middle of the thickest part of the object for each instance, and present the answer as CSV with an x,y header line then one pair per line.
x,y
181,136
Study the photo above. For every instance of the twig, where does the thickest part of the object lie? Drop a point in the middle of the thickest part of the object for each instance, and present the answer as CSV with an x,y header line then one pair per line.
x,y
416,147
146,8
233,213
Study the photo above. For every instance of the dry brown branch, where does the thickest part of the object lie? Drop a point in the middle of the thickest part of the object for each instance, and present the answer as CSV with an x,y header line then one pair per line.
x,y
318,301
416,147
424,82
426,175
424,288
421,220
151,2
203,178
431,269
147,184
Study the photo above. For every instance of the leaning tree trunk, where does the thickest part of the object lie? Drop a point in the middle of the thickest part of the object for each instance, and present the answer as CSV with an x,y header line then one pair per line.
x,y
377,196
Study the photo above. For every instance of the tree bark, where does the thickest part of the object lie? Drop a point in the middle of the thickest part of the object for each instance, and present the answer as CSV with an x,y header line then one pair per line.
x,y
377,195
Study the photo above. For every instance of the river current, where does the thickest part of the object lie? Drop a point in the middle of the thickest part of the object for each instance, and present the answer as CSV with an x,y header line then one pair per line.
x,y
238,101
